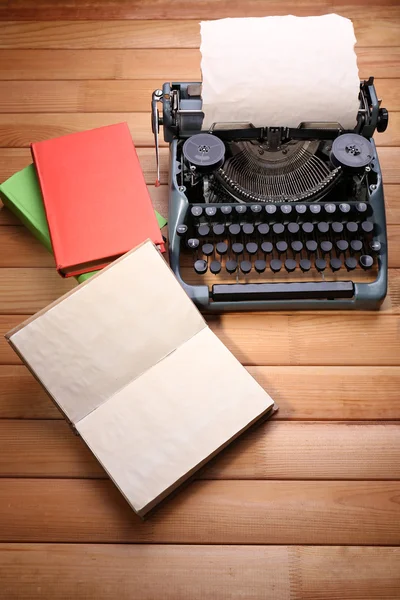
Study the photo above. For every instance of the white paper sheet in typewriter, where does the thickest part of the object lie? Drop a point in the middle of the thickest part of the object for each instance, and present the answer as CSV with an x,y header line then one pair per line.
x,y
133,365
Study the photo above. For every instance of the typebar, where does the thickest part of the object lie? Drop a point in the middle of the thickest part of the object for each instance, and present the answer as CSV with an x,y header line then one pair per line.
x,y
328,290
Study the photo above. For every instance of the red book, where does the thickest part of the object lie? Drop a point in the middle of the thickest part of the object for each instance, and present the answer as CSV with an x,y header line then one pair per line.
x,y
95,196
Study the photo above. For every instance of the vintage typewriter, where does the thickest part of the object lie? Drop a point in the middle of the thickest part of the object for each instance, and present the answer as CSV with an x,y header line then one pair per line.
x,y
274,218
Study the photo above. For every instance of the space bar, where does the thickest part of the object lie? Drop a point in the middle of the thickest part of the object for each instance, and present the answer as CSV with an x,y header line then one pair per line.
x,y
328,290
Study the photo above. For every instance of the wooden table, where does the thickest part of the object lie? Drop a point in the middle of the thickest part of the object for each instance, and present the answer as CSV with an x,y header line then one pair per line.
x,y
307,506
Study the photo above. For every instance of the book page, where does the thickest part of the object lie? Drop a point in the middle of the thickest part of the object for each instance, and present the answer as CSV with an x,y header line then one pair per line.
x,y
163,426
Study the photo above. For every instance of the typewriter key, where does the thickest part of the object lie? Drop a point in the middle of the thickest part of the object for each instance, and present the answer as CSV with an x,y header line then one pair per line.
x,y
352,227
326,247
366,261
361,207
290,265
350,263
203,230
320,264
260,265
286,209
275,265
211,211
367,226
270,209
278,228
240,209
256,208
337,227
323,227
263,228
281,247
252,248
193,243
245,266
196,211
207,249
344,208
231,266
293,228
215,267
330,208
315,209
305,265
221,248
342,245
266,247
218,229
237,248
375,246
296,246
307,228
226,210
336,264
248,228
181,230
311,245
301,209
356,245
200,266
234,229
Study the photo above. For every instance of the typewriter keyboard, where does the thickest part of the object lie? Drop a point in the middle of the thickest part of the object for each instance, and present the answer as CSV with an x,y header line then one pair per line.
x,y
270,242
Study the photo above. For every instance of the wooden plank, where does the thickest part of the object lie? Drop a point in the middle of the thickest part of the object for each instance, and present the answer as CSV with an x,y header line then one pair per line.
x,y
217,512
275,450
60,571
382,32
18,130
166,64
256,339
127,95
335,393
389,159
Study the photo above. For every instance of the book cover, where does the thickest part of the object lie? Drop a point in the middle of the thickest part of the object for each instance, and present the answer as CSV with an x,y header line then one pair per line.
x,y
96,200
124,369
21,194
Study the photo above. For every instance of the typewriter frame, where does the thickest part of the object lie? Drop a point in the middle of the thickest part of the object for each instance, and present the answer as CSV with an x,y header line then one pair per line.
x,y
182,117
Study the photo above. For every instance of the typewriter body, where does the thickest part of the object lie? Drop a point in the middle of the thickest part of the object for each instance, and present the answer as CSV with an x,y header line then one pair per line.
x,y
274,218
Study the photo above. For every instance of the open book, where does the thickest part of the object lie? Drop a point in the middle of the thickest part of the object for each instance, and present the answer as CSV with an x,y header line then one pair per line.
x,y
134,367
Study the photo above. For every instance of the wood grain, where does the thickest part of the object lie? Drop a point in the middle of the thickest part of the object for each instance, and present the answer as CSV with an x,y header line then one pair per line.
x,y
217,512
275,450
60,571
165,64
336,393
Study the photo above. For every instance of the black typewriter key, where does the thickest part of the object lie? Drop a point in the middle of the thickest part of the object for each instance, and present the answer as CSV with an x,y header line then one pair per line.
x,y
218,229
330,208
207,249
342,246
356,245
323,227
326,247
311,245
320,264
361,207
336,264
234,229
275,265
315,209
350,263
226,210
245,266
263,228
307,228
256,208
193,243
196,211
240,209
181,230
352,227
344,208
278,228
281,247
248,228
375,246
286,209
301,209
270,209
366,261
203,230
296,246
290,265
221,248
231,266
260,265
237,248
252,248
215,267
337,227
293,228
367,226
266,247
211,211
305,265
200,266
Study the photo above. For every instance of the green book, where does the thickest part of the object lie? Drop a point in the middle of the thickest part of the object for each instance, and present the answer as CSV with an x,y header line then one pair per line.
x,y
21,194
